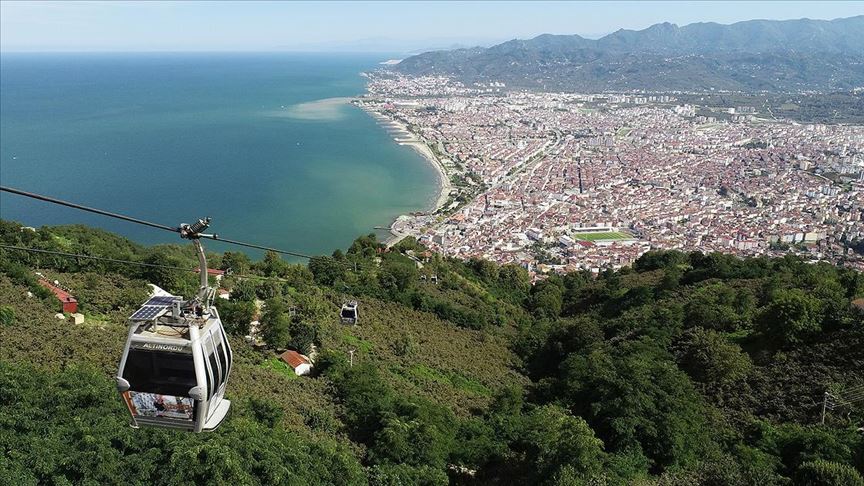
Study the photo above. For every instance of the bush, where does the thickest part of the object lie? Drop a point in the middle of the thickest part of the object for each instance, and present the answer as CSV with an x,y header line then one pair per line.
x,y
236,315
7,315
709,357
791,317
827,473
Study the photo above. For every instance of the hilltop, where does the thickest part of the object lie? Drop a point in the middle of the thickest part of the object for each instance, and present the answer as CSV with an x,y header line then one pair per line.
x,y
756,55
684,369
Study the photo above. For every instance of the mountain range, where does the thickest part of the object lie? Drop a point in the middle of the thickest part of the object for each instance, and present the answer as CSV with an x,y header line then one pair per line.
x,y
756,55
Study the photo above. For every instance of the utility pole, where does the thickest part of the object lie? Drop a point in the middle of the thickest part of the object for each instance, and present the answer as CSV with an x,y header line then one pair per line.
x,y
351,365
824,405
846,399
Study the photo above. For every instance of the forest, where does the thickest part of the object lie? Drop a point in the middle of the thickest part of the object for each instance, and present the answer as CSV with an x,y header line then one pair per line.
x,y
682,369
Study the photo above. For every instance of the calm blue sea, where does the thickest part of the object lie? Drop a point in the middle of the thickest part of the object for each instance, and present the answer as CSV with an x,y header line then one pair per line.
x,y
259,142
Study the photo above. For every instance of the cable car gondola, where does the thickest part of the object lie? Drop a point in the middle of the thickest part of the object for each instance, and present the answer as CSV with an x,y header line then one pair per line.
x,y
177,357
349,313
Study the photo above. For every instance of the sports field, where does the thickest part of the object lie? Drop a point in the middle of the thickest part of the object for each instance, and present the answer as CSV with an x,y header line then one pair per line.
x,y
608,235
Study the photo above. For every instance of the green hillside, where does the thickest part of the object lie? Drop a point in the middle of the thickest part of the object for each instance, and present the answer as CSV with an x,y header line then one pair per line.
x,y
685,369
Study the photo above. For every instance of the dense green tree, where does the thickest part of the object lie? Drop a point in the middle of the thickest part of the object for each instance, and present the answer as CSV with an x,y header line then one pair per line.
x,y
671,279
7,315
365,398
236,315
312,305
791,316
654,260
175,281
265,412
398,274
235,262
546,300
514,282
708,356
366,246
639,399
275,324
416,433
303,336
272,265
245,290
487,271
326,270
559,443
795,444
388,474
716,306
826,473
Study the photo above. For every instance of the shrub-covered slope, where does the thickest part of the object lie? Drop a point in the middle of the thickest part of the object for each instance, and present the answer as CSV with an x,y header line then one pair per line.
x,y
685,369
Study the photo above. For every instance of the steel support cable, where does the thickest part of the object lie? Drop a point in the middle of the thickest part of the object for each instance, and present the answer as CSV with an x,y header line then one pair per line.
x,y
40,197
852,398
128,262
259,247
130,219
91,257
61,202
854,390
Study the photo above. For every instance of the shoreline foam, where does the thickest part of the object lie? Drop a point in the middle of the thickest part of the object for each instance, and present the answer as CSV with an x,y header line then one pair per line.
x,y
420,145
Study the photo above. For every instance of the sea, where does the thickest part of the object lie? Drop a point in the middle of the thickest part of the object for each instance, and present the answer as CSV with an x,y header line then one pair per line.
x,y
267,145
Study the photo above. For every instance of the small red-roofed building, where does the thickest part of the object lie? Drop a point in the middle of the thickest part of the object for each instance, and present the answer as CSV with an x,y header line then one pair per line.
x,y
69,303
211,271
301,364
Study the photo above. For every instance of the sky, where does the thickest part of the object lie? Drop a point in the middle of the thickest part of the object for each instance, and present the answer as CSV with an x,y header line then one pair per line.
x,y
399,27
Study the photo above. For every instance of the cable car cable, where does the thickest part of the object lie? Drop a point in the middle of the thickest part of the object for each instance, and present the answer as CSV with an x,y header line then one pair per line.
x,y
129,262
130,219
86,208
91,257
259,247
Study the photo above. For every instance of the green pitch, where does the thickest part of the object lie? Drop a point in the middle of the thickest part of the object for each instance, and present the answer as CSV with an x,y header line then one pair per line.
x,y
609,235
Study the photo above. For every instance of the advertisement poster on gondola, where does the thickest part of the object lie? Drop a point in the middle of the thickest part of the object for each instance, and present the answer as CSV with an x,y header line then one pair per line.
x,y
154,405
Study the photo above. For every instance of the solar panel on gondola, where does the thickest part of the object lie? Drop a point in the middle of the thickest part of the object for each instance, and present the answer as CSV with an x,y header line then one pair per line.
x,y
147,312
163,300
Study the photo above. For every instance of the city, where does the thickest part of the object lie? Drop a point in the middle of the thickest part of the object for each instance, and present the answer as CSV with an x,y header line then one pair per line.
x,y
563,182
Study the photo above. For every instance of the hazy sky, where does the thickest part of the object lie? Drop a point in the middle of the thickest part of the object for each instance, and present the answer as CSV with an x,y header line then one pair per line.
x,y
378,26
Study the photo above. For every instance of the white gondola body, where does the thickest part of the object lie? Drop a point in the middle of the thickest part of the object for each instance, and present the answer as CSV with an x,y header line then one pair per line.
x,y
173,372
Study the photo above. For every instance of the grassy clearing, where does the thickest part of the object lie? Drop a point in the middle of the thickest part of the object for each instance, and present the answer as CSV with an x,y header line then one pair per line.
x,y
607,235
453,379
280,367
361,345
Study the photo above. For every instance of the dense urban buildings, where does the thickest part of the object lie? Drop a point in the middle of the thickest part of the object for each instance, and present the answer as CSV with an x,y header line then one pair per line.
x,y
563,181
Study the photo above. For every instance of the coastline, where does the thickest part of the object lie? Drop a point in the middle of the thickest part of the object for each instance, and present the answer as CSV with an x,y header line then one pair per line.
x,y
444,185
403,136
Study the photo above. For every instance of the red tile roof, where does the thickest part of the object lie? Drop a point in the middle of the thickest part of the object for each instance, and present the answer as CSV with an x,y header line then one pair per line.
x,y
210,271
70,304
293,358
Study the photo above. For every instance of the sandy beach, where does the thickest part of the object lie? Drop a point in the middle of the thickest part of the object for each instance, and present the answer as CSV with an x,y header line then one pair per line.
x,y
403,136
443,179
